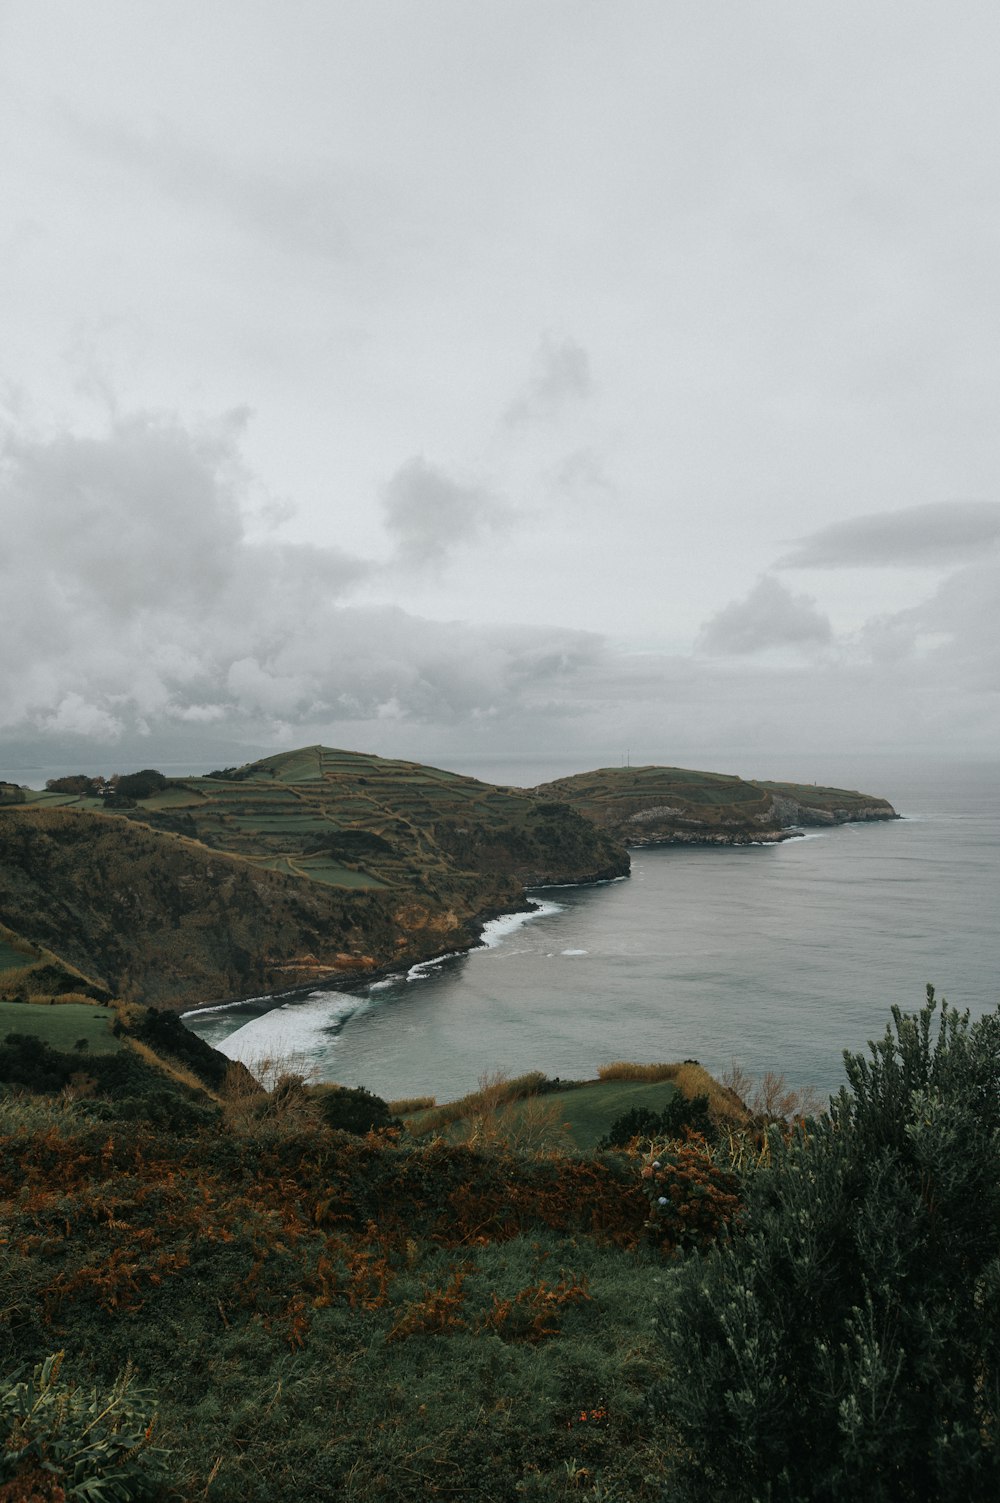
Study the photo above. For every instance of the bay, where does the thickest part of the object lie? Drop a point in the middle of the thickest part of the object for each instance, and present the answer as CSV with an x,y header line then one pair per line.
x,y
776,956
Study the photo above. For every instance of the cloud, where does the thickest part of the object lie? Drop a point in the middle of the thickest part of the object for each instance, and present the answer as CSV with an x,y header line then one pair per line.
x,y
561,377
939,534
770,617
135,600
428,513
951,636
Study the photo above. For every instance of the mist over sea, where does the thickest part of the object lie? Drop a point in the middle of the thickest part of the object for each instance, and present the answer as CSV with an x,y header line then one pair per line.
x,y
778,956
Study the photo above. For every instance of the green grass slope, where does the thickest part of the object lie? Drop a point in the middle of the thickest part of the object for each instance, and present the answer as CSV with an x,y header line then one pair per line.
x,y
65,1026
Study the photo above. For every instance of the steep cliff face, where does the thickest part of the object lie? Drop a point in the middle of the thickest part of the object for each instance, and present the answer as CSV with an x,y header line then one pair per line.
x,y
810,804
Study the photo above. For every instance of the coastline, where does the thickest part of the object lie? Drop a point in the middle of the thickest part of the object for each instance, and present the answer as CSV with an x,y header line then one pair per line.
x,y
351,981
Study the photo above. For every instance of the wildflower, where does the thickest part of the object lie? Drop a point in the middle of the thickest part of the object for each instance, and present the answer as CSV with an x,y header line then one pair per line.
x,y
662,1200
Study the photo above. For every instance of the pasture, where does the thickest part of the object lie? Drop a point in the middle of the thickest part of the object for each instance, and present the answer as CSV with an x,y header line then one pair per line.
x,y
62,1025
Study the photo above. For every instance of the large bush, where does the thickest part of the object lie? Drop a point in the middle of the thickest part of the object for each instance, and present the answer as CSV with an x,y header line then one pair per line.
x,y
845,1342
353,1109
140,784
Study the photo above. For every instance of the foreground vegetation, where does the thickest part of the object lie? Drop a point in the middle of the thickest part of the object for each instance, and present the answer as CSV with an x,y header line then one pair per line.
x,y
262,1305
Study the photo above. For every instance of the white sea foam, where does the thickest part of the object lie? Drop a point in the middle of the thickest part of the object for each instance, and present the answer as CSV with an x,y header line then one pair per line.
x,y
296,1030
423,968
574,952
497,929
197,1012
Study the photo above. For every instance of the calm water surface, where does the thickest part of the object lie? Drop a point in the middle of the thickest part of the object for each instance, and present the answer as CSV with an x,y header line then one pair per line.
x,y
778,956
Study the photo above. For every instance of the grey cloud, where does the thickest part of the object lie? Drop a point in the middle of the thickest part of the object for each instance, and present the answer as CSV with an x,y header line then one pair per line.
x,y
771,616
938,534
950,636
427,513
134,601
583,473
561,376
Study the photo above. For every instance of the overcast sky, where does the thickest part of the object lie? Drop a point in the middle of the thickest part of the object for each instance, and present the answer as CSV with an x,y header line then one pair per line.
x,y
439,378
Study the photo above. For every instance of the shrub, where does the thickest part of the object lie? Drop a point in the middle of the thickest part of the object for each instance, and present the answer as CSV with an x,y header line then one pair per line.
x,y
140,784
678,1116
355,1110
844,1341
94,1447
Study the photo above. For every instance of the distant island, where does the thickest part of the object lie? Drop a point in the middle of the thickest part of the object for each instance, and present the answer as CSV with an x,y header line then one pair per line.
x,y
321,865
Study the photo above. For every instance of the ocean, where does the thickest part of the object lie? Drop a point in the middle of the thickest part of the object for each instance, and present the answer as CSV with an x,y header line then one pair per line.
x,y
778,957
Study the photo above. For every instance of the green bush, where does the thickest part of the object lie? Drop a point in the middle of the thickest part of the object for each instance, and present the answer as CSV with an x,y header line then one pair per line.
x,y
353,1109
846,1341
95,1446
679,1114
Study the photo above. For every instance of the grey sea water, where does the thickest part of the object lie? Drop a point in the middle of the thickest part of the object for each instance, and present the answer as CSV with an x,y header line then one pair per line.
x,y
777,956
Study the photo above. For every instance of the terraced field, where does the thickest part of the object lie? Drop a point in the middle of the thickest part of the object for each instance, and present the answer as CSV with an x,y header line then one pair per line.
x,y
353,820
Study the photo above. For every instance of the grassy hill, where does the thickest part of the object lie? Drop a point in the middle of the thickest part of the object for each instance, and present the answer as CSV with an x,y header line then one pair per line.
x,y
673,805
305,866
320,864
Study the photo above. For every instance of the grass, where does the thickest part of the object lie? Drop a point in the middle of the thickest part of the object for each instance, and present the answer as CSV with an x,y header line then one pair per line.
x,y
63,1025
590,1109
317,1315
575,1115
12,959
295,1347
690,1078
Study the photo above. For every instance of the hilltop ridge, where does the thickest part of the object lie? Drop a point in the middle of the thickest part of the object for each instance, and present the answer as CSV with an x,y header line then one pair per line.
x,y
675,806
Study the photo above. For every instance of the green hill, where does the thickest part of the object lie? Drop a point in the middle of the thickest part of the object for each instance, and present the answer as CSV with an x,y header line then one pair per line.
x,y
673,805
305,866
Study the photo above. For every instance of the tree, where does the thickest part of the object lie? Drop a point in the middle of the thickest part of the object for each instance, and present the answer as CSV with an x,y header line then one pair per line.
x,y
845,1342
140,784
